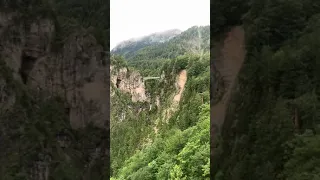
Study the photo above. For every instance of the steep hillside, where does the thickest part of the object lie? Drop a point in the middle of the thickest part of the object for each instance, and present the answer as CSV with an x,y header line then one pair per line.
x,y
128,48
271,123
162,118
193,40
54,91
228,59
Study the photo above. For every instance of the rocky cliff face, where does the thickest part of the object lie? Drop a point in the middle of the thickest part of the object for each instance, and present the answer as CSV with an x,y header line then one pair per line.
x,y
132,83
129,82
77,73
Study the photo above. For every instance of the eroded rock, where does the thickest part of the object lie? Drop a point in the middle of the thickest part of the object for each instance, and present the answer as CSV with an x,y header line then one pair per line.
x,y
129,82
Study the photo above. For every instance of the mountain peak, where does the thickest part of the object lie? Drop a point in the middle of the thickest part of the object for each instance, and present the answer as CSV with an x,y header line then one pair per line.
x,y
170,43
134,44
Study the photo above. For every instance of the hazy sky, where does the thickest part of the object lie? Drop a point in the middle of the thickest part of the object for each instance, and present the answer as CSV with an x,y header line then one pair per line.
x,y
136,18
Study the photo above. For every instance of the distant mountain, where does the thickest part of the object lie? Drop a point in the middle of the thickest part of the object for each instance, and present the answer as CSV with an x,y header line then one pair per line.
x,y
129,47
194,40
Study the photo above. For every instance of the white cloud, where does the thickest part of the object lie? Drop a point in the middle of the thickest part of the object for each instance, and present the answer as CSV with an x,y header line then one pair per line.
x,y
135,18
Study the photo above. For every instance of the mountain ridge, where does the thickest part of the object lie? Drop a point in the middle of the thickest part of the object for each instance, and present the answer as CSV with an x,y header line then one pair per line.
x,y
126,46
191,40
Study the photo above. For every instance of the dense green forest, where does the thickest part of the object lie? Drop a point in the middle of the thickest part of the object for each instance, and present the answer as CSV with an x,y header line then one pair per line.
x,y
31,127
152,144
192,41
271,131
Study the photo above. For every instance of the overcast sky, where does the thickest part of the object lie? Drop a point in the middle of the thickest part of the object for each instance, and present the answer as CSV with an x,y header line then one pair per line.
x,y
136,18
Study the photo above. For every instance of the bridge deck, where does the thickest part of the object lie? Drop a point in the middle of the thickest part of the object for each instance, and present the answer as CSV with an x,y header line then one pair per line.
x,y
148,78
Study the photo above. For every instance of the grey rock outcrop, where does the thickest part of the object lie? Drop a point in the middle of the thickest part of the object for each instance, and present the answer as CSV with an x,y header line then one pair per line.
x,y
77,72
129,82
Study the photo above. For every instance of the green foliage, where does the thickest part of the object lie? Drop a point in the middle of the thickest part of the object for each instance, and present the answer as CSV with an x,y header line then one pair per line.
x,y
226,14
30,9
128,132
181,144
118,62
196,90
303,163
33,134
85,13
148,67
30,132
177,155
68,16
278,97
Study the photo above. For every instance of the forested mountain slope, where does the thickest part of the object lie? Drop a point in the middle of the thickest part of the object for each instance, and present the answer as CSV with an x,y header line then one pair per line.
x,y
160,126
54,90
271,127
194,40
128,48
